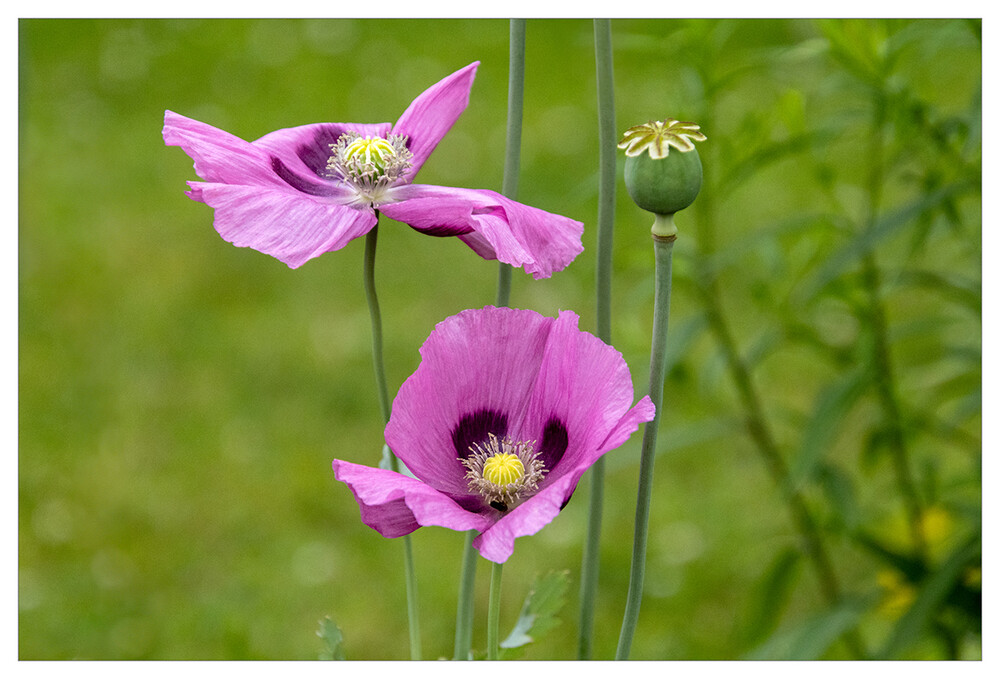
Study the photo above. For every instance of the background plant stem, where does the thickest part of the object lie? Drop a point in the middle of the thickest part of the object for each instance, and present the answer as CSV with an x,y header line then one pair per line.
x,y
493,616
663,249
371,241
605,232
758,428
884,378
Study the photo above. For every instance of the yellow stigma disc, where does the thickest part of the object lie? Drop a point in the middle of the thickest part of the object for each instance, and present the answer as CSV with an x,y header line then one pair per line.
x,y
373,151
503,469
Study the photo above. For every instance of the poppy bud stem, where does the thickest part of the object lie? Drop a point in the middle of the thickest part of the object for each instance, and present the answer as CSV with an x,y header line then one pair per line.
x,y
663,248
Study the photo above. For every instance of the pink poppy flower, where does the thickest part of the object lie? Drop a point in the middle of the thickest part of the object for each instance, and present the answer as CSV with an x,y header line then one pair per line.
x,y
505,413
299,192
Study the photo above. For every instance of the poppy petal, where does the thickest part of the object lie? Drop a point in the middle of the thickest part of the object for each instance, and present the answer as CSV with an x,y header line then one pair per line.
x,y
280,222
429,117
395,504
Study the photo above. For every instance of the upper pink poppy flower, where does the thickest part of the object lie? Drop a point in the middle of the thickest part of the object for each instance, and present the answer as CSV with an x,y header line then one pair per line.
x,y
299,192
505,413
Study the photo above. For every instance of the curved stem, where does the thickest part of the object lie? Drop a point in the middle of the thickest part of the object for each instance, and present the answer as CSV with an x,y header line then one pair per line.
x,y
663,250
605,233
493,618
371,241
512,153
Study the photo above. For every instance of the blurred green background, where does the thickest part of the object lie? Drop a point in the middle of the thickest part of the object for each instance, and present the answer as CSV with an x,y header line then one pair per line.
x,y
180,399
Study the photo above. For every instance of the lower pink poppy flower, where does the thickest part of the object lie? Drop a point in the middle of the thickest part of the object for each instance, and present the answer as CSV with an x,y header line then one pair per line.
x,y
505,413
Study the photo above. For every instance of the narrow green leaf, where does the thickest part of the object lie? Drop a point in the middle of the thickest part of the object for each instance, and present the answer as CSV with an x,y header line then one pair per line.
x,y
333,640
682,338
810,639
540,611
839,490
885,227
385,462
931,597
772,595
831,407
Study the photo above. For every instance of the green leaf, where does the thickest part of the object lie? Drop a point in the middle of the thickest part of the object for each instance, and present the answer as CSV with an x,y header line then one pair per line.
x,y
884,227
385,462
831,407
931,597
539,612
839,490
682,338
333,640
810,639
772,594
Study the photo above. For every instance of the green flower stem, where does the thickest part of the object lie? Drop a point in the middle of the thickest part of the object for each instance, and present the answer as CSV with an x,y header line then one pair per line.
x,y
466,599
512,154
511,173
605,232
371,240
493,618
663,249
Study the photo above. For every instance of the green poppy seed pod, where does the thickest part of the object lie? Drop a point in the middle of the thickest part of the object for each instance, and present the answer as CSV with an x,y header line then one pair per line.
x,y
659,181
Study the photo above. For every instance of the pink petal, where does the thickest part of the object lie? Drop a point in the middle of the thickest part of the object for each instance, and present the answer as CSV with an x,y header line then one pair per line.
x,y
586,386
306,148
281,222
218,156
475,360
496,543
394,504
493,226
429,117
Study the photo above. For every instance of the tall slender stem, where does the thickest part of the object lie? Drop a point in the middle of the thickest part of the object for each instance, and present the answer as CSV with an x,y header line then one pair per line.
x,y
512,153
511,174
371,241
605,231
466,599
493,617
663,248
885,381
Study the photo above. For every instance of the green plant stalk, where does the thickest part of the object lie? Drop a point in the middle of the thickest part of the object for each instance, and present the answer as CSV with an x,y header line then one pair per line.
x,y
881,357
371,241
512,153
493,616
760,431
466,599
511,173
663,249
589,570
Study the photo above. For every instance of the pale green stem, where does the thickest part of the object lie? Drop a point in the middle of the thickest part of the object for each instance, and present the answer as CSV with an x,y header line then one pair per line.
x,y
512,154
466,599
605,232
493,617
371,240
663,251
511,172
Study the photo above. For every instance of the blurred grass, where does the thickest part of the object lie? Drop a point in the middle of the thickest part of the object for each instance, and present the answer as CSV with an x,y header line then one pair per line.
x,y
180,399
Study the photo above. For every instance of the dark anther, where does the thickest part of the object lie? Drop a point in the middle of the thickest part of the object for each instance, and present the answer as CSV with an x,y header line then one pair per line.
x,y
476,428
